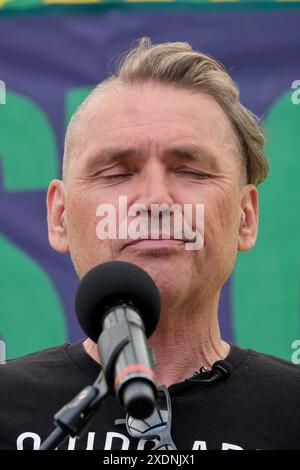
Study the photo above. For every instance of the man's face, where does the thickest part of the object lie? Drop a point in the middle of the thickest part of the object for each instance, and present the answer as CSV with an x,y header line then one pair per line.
x,y
155,145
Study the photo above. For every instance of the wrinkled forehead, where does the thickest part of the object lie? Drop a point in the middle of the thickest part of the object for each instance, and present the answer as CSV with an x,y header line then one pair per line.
x,y
133,114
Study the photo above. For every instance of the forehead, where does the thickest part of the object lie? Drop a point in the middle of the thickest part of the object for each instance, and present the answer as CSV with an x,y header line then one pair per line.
x,y
153,116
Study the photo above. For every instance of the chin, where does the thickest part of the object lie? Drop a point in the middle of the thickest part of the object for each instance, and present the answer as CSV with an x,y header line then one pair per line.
x,y
154,263
169,275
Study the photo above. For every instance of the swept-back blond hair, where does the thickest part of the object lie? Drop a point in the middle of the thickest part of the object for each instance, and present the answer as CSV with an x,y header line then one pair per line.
x,y
178,65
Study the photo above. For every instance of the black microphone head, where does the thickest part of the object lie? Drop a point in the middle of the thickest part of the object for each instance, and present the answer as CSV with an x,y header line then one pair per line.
x,y
223,367
109,283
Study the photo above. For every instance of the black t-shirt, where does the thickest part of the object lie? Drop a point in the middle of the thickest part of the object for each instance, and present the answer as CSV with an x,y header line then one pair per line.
x,y
257,407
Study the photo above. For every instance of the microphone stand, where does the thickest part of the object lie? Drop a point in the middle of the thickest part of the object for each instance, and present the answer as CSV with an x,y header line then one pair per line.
x,y
73,419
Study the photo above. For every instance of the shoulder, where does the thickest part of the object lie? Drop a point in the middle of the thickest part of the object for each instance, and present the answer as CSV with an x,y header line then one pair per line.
x,y
273,365
33,367
41,358
271,376
63,366
261,363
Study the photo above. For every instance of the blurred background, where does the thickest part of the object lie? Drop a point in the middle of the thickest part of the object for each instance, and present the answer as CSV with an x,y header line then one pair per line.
x,y
52,53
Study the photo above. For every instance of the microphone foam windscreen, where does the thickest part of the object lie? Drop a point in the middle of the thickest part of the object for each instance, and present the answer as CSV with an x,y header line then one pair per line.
x,y
107,284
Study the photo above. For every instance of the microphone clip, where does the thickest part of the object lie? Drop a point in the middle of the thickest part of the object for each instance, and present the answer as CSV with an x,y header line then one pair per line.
x,y
220,370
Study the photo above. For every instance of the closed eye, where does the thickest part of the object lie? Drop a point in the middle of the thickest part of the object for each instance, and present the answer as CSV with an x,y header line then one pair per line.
x,y
193,174
116,176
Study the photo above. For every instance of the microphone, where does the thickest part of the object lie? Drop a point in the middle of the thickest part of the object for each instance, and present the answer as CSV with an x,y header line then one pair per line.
x,y
220,370
118,306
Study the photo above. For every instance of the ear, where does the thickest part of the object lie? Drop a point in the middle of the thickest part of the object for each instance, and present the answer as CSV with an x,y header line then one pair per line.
x,y
57,228
249,218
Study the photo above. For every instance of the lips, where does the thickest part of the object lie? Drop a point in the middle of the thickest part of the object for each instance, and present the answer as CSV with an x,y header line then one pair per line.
x,y
155,242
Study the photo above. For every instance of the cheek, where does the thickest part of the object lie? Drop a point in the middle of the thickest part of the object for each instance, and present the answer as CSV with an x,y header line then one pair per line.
x,y
220,222
82,219
220,238
81,215
86,249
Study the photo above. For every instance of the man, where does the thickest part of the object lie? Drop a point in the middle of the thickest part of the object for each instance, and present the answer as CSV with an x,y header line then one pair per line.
x,y
168,128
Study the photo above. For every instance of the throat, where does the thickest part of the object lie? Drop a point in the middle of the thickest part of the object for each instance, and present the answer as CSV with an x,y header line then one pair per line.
x,y
179,360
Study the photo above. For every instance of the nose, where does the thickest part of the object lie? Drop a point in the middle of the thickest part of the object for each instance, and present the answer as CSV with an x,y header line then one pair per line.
x,y
154,186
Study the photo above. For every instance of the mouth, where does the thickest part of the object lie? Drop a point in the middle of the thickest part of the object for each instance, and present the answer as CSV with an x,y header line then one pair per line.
x,y
150,243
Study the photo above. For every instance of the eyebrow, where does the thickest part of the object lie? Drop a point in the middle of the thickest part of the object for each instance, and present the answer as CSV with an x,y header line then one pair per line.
x,y
195,153
112,154
191,153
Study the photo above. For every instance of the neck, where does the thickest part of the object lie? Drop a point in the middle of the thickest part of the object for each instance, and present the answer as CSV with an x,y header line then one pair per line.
x,y
186,339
